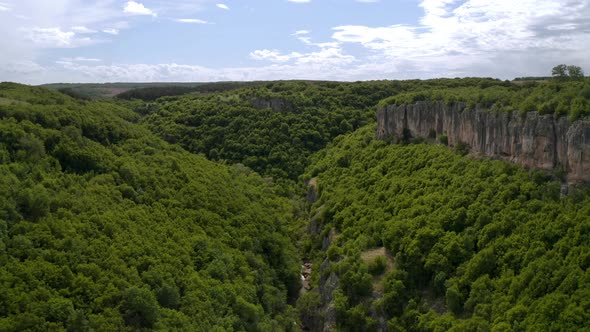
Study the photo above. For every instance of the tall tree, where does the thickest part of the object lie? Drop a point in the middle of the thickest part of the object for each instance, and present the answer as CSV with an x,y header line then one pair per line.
x,y
564,72
559,72
575,72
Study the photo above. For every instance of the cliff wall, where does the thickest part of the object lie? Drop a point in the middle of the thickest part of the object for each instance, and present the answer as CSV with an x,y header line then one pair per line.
x,y
537,141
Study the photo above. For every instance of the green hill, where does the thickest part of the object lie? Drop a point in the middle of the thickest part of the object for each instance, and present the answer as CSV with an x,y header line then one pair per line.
x,y
188,213
571,98
473,245
105,227
273,128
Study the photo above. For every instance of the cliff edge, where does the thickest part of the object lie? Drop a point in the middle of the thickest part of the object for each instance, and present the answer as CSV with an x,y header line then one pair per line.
x,y
535,141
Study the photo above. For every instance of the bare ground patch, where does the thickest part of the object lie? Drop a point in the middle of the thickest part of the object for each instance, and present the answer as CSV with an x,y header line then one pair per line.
x,y
436,303
368,257
8,101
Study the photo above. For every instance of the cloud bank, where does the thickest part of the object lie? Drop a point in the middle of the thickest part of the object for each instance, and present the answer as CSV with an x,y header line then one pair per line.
x,y
497,38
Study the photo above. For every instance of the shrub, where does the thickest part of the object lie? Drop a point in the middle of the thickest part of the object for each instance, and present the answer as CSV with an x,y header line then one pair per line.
x,y
432,133
462,148
377,266
454,299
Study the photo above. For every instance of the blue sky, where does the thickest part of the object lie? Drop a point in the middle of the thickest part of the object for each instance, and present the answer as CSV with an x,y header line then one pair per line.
x,y
202,40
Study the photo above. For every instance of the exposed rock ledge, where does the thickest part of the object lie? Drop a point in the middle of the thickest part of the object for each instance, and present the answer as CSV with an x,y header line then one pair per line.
x,y
537,141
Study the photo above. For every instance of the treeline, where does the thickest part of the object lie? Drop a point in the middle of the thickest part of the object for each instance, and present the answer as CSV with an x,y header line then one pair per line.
x,y
155,92
74,94
533,78
105,227
571,98
474,245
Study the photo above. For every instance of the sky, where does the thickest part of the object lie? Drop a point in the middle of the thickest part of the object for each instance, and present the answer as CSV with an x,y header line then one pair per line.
x,y
82,41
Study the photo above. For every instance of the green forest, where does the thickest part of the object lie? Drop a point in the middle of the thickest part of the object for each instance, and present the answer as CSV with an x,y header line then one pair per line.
x,y
474,245
106,227
187,208
557,98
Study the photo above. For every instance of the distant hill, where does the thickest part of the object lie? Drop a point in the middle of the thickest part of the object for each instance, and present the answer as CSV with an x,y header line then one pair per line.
x,y
144,91
109,90
151,93
533,78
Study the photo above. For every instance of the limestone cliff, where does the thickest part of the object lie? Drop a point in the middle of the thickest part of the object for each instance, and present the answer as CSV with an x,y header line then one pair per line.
x,y
537,141
276,104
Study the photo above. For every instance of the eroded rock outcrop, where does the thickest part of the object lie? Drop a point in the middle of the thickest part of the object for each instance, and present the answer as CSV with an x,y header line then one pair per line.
x,y
276,104
537,141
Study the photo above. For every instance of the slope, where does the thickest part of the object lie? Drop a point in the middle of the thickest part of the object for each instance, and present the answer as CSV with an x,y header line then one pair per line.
x,y
274,127
476,245
105,227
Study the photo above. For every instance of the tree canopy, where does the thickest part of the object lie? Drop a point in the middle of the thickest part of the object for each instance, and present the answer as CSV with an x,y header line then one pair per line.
x,y
567,72
105,227
189,212
474,245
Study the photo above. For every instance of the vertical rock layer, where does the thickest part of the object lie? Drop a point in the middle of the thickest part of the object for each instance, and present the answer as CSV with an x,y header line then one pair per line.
x,y
537,141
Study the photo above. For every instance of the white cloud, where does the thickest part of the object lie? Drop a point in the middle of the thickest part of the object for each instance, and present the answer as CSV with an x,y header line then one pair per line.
x,y
80,59
499,38
303,36
191,20
111,31
301,32
16,70
222,6
473,27
189,73
136,8
300,1
82,29
4,7
273,55
135,72
469,37
56,38
328,54
564,26
31,26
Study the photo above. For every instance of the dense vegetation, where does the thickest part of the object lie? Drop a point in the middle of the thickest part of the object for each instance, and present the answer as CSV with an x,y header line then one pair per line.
x,y
476,245
243,127
105,227
148,212
274,128
154,92
554,97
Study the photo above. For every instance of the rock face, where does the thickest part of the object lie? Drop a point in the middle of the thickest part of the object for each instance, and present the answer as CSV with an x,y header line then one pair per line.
x,y
328,284
536,141
276,104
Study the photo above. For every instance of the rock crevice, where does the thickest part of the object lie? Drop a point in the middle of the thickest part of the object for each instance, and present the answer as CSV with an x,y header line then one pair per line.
x,y
534,141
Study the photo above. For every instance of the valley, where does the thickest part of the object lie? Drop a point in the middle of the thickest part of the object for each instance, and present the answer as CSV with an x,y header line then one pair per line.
x,y
416,205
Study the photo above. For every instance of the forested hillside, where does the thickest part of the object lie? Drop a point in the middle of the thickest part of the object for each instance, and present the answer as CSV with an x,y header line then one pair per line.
x,y
105,227
274,128
187,213
464,245
559,98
